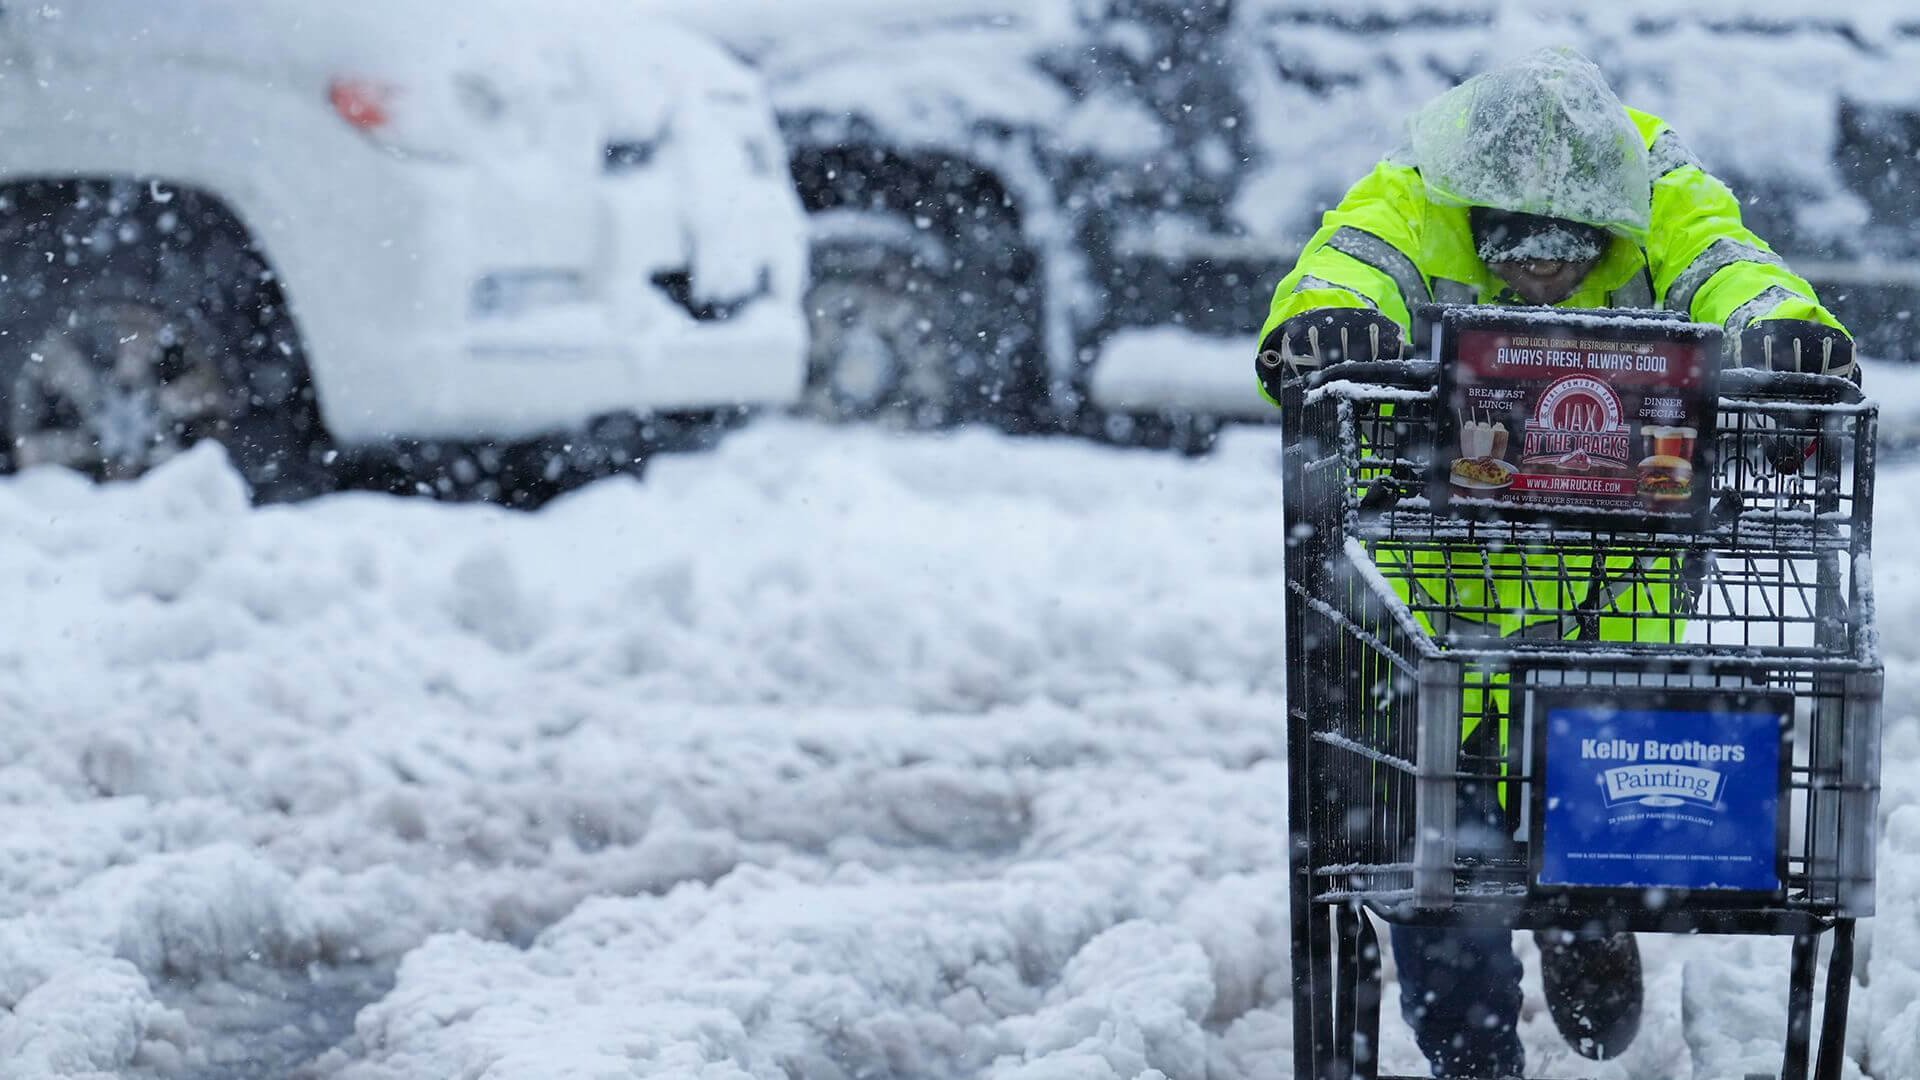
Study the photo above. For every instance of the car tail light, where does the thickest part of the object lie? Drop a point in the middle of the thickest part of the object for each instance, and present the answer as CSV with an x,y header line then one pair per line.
x,y
413,120
364,103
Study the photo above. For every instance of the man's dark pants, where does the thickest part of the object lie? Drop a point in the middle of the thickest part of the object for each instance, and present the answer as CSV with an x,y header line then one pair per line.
x,y
1460,989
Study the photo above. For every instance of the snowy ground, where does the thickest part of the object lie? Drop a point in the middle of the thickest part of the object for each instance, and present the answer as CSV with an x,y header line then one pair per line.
x,y
829,754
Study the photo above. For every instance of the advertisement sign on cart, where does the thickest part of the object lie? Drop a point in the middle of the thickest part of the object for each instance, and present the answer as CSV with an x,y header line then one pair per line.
x,y
1675,790
1549,415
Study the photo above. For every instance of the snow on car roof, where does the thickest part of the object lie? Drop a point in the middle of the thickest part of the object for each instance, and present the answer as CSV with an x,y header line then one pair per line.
x,y
926,71
777,32
507,39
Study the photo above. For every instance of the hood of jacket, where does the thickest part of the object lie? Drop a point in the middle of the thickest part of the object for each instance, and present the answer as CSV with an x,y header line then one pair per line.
x,y
1542,135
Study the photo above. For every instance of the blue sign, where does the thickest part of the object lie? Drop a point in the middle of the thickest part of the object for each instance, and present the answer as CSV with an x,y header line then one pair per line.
x,y
1681,798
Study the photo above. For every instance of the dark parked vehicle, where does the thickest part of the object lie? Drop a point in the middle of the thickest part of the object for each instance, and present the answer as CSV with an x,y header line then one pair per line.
x,y
1069,214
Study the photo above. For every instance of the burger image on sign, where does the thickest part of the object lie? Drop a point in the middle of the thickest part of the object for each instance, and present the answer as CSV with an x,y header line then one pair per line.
x,y
1666,474
1666,479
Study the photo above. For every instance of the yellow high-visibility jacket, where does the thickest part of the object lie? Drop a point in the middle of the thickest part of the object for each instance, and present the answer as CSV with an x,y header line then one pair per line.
x,y
1389,245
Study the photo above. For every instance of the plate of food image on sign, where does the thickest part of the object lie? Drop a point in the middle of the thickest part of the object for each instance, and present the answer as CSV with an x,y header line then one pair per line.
x,y
1585,417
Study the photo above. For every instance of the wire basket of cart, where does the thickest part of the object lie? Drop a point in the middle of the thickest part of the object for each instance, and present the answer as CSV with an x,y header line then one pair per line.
x,y
1569,559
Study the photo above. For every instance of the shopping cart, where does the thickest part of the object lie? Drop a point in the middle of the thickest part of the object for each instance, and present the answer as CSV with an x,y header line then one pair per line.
x,y
1754,617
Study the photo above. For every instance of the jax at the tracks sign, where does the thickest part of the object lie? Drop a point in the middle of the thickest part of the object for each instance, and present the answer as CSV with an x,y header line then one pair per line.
x,y
1681,790
1574,416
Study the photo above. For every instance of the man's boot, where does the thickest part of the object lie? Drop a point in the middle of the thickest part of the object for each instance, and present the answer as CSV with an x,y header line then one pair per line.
x,y
1593,989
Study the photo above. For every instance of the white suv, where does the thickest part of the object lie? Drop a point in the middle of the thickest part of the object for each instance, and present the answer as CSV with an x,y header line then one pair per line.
x,y
301,228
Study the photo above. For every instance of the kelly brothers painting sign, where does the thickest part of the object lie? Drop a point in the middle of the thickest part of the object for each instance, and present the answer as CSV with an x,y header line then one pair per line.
x,y
1675,790
1574,414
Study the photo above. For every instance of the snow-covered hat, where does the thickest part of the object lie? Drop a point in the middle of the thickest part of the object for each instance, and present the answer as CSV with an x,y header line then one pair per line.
x,y
1543,135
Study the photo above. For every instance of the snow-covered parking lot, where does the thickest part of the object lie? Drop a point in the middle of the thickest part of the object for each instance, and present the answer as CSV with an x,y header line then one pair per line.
x,y
828,754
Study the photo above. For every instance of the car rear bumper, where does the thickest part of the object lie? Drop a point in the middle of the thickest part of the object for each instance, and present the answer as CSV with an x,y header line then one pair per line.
x,y
508,311
1168,369
564,367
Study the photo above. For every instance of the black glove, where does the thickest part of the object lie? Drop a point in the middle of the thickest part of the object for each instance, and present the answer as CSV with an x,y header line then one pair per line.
x,y
1325,336
1796,345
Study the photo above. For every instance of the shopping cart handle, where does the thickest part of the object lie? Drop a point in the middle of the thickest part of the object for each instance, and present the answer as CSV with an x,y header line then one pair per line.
x,y
1742,382
1399,373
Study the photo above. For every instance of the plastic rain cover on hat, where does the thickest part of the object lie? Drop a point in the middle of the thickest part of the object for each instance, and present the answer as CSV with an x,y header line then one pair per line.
x,y
1543,135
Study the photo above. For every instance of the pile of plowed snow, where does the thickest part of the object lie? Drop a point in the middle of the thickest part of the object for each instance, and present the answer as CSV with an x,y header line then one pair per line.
x,y
826,754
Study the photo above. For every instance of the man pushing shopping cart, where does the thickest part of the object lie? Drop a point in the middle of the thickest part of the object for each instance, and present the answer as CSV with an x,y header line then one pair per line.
x,y
1577,619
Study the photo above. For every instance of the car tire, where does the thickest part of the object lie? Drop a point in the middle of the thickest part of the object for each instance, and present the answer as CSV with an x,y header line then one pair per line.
x,y
142,320
874,348
1189,434
903,331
